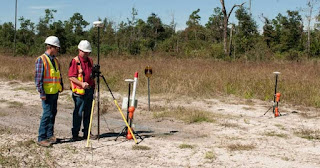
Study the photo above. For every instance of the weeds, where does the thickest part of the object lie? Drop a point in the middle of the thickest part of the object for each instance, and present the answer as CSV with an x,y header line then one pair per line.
x,y
25,154
5,130
239,147
229,124
25,144
210,155
186,146
9,161
273,133
298,82
72,149
140,147
280,126
248,108
247,121
308,133
3,100
3,114
13,104
27,89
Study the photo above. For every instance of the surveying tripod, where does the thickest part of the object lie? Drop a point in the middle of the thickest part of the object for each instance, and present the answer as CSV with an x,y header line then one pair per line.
x,y
125,131
276,99
97,74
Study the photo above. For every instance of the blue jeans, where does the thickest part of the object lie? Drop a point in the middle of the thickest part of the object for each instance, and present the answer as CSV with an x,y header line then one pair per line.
x,y
82,109
46,128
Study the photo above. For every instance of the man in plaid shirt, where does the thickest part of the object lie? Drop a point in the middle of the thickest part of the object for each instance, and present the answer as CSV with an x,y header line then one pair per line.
x,y
49,83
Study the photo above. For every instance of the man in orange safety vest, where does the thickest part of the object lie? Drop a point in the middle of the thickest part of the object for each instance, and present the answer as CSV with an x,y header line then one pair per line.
x,y
82,86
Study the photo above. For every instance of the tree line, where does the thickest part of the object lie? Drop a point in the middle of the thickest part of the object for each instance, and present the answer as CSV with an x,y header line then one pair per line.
x,y
282,37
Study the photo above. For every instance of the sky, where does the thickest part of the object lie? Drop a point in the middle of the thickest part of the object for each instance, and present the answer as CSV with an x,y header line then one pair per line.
x,y
120,10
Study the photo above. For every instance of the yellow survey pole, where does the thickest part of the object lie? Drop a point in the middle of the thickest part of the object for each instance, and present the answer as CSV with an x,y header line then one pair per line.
x,y
89,132
124,119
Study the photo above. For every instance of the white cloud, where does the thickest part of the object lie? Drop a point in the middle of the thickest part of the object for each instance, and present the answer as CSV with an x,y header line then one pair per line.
x,y
41,7
47,7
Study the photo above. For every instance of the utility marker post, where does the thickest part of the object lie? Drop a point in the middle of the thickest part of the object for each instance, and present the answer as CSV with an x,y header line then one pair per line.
x,y
148,73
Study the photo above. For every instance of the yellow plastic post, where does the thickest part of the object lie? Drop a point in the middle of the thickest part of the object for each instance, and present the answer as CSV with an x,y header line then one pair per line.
x,y
89,131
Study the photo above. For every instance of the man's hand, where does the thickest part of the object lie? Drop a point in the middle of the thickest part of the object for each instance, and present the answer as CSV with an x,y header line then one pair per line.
x,y
85,85
43,98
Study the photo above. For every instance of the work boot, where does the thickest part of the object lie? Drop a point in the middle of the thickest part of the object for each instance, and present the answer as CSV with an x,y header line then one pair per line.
x,y
52,140
92,137
76,138
44,143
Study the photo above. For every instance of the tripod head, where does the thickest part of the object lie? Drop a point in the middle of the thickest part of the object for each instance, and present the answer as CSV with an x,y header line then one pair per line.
x,y
95,71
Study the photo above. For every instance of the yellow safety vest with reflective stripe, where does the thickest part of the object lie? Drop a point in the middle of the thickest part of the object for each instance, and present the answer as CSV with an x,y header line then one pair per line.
x,y
51,76
74,87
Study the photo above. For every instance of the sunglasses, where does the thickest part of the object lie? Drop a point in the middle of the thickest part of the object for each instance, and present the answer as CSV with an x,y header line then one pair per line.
x,y
85,52
57,48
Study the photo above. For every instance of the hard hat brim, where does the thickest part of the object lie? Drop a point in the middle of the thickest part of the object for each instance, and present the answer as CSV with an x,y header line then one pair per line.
x,y
85,50
52,45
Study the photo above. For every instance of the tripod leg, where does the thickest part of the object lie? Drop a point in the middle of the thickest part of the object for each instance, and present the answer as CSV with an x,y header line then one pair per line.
x,y
122,131
267,110
138,135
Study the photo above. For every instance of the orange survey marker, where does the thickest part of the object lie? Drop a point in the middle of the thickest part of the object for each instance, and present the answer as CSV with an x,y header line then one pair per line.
x,y
276,112
131,110
129,136
278,97
276,109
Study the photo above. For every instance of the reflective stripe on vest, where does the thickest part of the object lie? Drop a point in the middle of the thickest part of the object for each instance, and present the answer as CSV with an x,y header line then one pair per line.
x,y
74,87
51,76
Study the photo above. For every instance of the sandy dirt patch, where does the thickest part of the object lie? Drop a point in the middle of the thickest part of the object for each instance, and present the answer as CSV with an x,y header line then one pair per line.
x,y
239,135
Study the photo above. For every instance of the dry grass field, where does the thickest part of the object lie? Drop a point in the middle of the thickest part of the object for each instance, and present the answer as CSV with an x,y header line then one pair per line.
x,y
204,113
299,82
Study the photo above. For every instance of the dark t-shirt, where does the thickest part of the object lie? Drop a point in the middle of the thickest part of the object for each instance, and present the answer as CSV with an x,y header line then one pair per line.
x,y
86,67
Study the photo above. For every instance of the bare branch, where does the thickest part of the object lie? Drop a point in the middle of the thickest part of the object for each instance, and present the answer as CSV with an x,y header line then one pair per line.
x,y
234,7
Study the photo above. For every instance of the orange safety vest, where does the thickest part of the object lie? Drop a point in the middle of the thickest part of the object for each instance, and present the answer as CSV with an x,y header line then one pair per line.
x,y
74,87
51,76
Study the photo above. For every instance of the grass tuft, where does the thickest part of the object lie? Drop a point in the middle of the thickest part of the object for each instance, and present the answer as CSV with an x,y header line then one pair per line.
x,y
25,144
9,161
210,155
229,124
308,133
273,133
240,147
186,146
140,147
15,104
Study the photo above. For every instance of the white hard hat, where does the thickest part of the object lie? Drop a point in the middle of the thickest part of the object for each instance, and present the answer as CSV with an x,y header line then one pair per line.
x,y
85,46
52,40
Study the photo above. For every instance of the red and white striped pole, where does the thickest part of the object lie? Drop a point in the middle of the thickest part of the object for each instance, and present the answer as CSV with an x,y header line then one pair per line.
x,y
132,106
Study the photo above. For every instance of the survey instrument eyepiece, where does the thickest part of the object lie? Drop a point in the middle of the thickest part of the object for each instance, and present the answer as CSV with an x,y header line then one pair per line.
x,y
97,24
95,71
